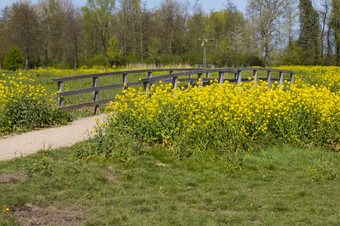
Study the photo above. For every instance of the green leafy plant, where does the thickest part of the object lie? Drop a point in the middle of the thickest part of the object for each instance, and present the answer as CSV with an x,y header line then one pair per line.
x,y
323,169
13,59
25,106
111,143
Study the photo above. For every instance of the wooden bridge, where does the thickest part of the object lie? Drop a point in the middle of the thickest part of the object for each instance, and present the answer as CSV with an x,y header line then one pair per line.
x,y
181,75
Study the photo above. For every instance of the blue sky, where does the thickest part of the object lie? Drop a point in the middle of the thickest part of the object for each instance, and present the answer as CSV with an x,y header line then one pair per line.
x,y
207,5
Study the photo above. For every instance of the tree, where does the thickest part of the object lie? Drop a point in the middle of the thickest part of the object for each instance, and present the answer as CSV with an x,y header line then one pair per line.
x,y
335,25
129,19
60,39
71,36
13,59
113,51
267,17
4,23
172,18
53,23
196,24
153,49
325,31
309,38
24,30
98,18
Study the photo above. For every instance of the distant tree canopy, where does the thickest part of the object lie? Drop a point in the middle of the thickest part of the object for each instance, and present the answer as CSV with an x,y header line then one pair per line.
x,y
109,32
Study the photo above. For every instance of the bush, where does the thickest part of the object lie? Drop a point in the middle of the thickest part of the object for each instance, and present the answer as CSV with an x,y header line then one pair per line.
x,y
98,60
216,119
24,106
13,59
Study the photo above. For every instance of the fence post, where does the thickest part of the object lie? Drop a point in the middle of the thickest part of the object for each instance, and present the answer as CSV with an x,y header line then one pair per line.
x,y
174,82
125,81
191,76
61,89
221,76
269,79
95,94
280,78
291,78
239,77
149,74
208,74
200,79
146,86
255,77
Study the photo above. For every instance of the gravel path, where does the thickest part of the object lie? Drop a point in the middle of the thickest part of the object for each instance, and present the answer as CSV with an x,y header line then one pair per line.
x,y
32,142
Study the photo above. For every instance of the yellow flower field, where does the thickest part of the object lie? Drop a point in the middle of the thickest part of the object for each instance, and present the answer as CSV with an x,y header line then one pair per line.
x,y
215,117
317,75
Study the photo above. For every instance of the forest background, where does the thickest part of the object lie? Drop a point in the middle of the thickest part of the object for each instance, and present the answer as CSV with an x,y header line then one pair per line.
x,y
112,33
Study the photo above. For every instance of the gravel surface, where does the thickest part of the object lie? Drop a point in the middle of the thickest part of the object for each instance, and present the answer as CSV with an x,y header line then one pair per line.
x,y
32,142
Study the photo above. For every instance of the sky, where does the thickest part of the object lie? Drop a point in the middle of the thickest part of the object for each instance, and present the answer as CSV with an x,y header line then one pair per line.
x,y
207,5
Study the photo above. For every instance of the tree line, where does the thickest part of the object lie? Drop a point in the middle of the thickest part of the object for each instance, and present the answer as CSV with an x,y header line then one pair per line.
x,y
108,32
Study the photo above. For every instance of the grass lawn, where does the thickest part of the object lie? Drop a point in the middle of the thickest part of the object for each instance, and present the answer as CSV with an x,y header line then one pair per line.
x,y
278,185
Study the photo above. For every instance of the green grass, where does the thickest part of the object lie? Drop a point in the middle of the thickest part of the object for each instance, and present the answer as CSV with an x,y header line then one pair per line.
x,y
275,187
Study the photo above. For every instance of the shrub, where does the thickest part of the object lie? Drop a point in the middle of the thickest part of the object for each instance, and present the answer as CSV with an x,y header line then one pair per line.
x,y
13,59
220,118
24,106
98,60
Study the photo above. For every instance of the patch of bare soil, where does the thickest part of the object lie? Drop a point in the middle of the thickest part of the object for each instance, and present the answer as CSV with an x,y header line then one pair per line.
x,y
110,176
161,164
8,178
255,222
33,215
233,212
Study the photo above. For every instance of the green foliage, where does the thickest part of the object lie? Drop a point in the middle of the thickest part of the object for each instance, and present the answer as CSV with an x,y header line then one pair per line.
x,y
98,60
153,49
111,143
43,165
309,38
26,113
113,52
292,55
13,59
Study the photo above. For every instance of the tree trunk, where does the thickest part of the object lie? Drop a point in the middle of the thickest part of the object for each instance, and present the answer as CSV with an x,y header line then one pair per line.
x,y
141,42
329,46
75,50
266,54
26,63
75,61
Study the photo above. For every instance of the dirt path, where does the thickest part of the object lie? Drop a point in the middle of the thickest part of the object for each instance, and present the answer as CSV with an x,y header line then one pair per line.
x,y
32,142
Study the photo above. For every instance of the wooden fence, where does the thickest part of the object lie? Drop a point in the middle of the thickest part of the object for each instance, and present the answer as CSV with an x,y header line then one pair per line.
x,y
96,88
172,77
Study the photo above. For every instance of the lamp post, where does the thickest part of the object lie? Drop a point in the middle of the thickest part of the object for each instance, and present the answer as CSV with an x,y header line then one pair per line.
x,y
204,41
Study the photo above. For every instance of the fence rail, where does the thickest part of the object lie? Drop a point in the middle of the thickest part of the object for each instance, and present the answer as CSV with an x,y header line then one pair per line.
x,y
172,77
96,88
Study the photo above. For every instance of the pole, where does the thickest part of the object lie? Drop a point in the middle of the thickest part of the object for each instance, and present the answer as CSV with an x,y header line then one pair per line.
x,y
204,57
